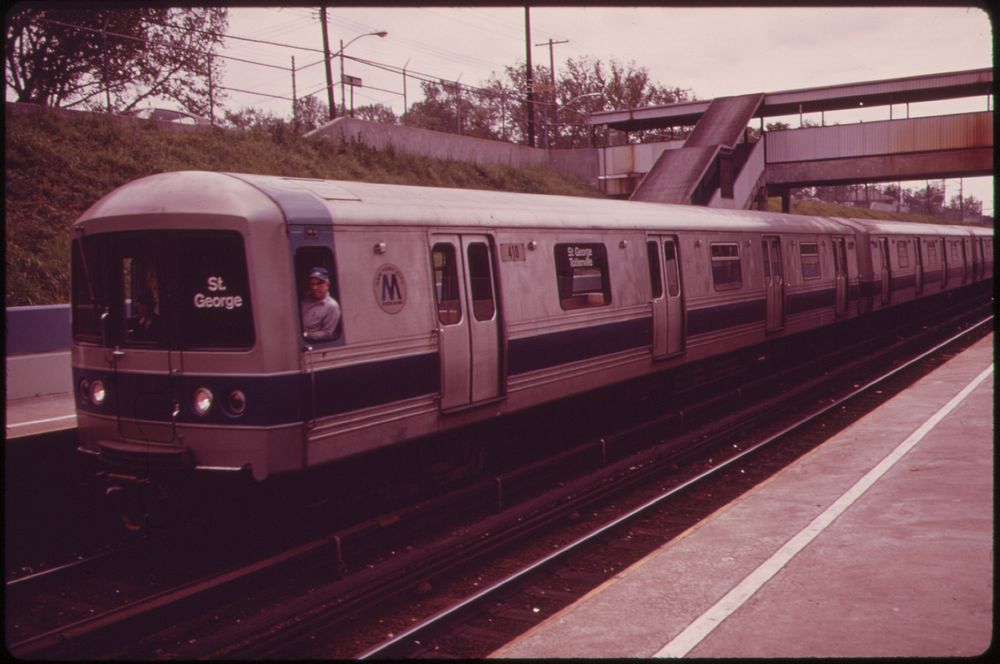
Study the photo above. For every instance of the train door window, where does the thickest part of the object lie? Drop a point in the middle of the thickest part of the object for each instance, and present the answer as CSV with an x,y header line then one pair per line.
x,y
214,291
903,253
655,277
809,254
139,272
672,267
481,281
446,290
307,259
582,275
932,253
839,257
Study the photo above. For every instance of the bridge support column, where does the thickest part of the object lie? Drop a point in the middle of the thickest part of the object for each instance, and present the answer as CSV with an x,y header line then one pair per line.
x,y
786,200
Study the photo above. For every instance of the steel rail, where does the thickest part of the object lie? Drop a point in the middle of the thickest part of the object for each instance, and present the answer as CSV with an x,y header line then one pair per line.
x,y
385,650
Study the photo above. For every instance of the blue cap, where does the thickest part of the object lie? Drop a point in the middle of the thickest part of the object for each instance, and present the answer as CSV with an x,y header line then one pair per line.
x,y
319,273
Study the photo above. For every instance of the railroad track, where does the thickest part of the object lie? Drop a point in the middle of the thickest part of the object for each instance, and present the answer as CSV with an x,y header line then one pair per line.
x,y
325,605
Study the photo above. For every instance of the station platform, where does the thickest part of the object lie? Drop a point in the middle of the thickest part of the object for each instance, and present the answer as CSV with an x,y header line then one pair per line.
x,y
39,414
878,543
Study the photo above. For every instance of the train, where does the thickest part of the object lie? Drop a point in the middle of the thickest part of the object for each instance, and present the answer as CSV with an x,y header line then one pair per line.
x,y
456,306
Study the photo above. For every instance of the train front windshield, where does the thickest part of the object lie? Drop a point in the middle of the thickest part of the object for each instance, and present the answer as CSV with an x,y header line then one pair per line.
x,y
162,289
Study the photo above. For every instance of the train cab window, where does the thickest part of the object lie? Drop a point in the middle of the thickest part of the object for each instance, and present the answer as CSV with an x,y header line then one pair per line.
x,y
306,260
582,275
726,273
162,289
809,254
446,291
88,290
481,280
140,289
903,253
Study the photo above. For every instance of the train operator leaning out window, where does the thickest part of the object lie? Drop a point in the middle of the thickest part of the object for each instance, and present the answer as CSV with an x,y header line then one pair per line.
x,y
320,312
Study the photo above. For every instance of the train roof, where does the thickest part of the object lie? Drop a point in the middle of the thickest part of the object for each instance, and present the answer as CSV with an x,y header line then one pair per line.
x,y
305,201
894,227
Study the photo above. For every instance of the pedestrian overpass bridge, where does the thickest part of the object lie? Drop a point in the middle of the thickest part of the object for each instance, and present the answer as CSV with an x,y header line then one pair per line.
x,y
721,165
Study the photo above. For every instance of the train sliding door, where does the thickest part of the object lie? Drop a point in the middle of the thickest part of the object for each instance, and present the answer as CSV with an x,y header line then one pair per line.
x,y
667,301
468,319
840,274
774,283
883,248
918,256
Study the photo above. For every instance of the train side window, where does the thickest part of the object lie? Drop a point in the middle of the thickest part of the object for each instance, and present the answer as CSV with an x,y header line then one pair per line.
x,y
449,306
809,254
726,273
954,253
582,275
932,253
903,253
655,280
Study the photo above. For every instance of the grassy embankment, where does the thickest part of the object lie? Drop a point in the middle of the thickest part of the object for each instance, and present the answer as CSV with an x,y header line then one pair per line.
x,y
57,167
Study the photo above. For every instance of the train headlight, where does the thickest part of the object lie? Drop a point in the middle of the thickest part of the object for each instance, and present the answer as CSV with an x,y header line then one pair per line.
x,y
236,402
97,392
203,400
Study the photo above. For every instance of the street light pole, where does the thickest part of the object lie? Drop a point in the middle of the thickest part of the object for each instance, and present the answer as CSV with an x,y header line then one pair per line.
x,y
343,101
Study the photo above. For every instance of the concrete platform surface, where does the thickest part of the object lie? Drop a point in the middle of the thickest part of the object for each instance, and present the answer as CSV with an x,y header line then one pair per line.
x,y
33,415
879,543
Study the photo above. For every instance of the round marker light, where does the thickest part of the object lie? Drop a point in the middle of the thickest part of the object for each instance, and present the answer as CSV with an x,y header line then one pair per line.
x,y
98,394
202,401
236,402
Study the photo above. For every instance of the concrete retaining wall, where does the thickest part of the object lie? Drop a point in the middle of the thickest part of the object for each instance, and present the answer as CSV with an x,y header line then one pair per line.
x,y
581,162
38,329
38,356
37,375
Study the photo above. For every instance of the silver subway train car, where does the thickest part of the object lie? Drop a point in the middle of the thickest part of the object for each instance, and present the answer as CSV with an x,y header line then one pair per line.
x,y
456,306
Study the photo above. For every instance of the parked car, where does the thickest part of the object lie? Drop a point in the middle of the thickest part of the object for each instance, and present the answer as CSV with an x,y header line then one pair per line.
x,y
167,115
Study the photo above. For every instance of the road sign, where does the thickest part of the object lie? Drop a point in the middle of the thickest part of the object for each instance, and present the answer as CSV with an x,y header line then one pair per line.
x,y
347,79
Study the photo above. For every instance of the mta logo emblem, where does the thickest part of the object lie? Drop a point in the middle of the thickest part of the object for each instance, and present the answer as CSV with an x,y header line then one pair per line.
x,y
390,288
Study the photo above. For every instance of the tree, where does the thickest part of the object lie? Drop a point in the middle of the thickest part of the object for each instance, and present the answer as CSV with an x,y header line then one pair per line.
x,y
447,107
310,113
376,113
499,109
617,86
113,58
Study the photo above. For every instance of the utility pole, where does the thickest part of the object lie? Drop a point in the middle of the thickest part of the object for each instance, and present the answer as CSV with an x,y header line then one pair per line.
x,y
326,63
531,95
552,88
295,112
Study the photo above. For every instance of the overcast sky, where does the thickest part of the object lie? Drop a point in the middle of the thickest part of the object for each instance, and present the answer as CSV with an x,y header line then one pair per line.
x,y
709,51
